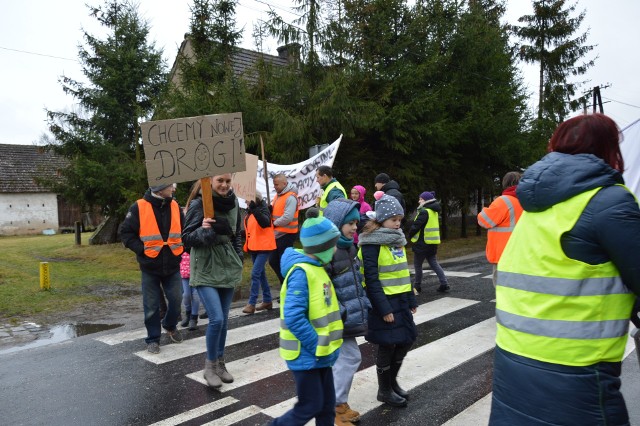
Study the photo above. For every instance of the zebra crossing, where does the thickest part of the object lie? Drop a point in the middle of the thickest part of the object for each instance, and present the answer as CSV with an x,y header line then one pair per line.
x,y
455,331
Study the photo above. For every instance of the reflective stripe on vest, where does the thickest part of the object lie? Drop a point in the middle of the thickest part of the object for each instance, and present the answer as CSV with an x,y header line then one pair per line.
x,y
325,193
431,230
150,233
393,271
512,217
279,203
555,309
257,237
325,318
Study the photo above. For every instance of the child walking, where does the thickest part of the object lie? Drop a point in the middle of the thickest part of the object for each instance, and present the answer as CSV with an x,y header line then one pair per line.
x,y
425,236
310,324
189,295
388,285
344,271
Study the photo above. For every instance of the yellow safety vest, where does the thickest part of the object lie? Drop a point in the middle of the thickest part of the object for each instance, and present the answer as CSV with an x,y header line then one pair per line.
x,y
555,309
325,193
324,314
150,233
431,231
393,271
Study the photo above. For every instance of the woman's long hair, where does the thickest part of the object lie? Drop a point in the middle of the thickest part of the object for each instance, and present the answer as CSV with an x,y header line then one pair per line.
x,y
594,134
195,191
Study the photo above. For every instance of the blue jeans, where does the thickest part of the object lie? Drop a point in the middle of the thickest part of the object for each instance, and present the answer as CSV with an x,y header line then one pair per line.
x,y
190,298
430,256
217,302
152,286
316,399
259,277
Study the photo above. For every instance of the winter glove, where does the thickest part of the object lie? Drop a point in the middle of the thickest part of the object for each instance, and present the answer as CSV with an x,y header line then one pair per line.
x,y
252,205
221,226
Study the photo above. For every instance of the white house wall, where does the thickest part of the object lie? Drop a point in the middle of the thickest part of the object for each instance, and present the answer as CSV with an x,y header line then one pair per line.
x,y
28,213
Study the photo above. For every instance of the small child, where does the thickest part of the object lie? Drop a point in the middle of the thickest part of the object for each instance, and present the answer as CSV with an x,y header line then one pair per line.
x,y
190,297
425,236
310,348
344,271
388,285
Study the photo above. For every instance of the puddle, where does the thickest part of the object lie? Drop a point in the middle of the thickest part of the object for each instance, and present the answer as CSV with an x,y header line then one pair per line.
x,y
60,333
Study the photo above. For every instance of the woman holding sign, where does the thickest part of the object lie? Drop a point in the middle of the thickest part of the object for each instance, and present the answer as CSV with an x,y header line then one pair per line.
x,y
216,265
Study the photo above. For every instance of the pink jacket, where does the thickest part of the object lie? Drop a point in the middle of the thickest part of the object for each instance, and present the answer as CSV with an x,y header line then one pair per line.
x,y
185,265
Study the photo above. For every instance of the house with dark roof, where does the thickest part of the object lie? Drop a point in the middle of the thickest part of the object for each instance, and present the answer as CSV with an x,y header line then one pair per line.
x,y
243,62
25,206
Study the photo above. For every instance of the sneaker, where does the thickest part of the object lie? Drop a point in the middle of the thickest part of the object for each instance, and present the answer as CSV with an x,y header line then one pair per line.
x,y
175,336
153,348
443,288
185,322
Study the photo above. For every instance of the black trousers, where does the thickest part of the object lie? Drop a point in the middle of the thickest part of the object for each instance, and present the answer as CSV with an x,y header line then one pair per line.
x,y
287,240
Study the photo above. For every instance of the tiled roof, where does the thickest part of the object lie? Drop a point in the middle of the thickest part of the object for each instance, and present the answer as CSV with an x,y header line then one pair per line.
x,y
20,164
243,61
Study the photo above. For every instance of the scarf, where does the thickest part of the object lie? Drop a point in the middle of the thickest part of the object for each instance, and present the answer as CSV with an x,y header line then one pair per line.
x,y
383,237
224,204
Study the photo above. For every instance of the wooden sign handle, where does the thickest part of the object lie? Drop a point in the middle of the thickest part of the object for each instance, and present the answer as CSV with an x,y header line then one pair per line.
x,y
207,197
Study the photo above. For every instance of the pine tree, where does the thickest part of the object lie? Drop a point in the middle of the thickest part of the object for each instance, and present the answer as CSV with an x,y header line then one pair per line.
x,y
101,139
552,43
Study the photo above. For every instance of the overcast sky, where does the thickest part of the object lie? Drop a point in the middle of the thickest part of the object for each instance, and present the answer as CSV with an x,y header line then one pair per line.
x,y
39,39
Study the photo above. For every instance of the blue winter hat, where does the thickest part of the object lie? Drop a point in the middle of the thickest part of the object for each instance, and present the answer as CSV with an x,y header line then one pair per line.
x,y
341,211
386,207
426,195
318,236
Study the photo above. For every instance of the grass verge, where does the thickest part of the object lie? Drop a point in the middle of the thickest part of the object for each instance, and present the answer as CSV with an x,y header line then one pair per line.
x,y
81,275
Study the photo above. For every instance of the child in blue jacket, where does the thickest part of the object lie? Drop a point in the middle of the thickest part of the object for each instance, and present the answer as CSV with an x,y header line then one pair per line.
x,y
310,323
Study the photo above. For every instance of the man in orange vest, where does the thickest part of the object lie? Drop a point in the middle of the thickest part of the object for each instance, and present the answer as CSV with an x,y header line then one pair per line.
x,y
500,218
152,230
285,220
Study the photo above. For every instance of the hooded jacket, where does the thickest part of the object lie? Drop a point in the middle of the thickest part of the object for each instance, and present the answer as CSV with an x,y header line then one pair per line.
x,y
417,227
296,311
392,188
609,227
166,263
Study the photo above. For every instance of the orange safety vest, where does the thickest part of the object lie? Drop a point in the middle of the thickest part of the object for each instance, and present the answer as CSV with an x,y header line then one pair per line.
x,y
150,233
499,219
257,237
278,210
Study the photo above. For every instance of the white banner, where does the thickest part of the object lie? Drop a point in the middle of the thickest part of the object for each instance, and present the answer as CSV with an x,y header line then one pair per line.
x,y
301,175
630,148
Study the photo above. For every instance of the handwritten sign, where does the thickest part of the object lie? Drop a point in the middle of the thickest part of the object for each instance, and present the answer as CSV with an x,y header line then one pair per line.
x,y
244,183
186,149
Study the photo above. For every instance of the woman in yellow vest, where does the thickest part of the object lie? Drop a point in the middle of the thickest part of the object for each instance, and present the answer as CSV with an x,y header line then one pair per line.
x,y
425,236
259,241
566,283
388,284
310,323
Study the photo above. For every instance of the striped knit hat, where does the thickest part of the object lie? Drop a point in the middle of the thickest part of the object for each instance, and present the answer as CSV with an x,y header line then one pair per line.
x,y
318,236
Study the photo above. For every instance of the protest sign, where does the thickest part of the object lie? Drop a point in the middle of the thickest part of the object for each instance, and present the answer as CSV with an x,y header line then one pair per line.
x,y
186,149
301,175
244,183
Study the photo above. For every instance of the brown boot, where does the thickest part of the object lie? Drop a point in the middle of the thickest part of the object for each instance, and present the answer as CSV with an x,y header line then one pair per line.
x,y
264,305
345,413
339,422
249,309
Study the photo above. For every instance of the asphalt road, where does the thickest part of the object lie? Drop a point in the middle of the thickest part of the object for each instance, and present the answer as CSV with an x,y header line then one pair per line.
x,y
109,379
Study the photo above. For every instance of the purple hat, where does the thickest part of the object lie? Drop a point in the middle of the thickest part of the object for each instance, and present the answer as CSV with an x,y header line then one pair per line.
x,y
426,195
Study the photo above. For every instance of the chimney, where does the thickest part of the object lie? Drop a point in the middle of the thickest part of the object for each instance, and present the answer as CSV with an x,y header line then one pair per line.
x,y
290,52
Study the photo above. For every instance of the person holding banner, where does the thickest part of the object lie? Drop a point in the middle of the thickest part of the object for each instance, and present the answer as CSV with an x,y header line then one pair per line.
x,y
216,266
331,188
285,220
151,230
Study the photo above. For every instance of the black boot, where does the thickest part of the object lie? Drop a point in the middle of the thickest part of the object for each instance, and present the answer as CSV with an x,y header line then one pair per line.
x,y
395,367
385,392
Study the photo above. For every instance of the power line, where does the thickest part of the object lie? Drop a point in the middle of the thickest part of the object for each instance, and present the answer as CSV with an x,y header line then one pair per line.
x,y
620,102
26,52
